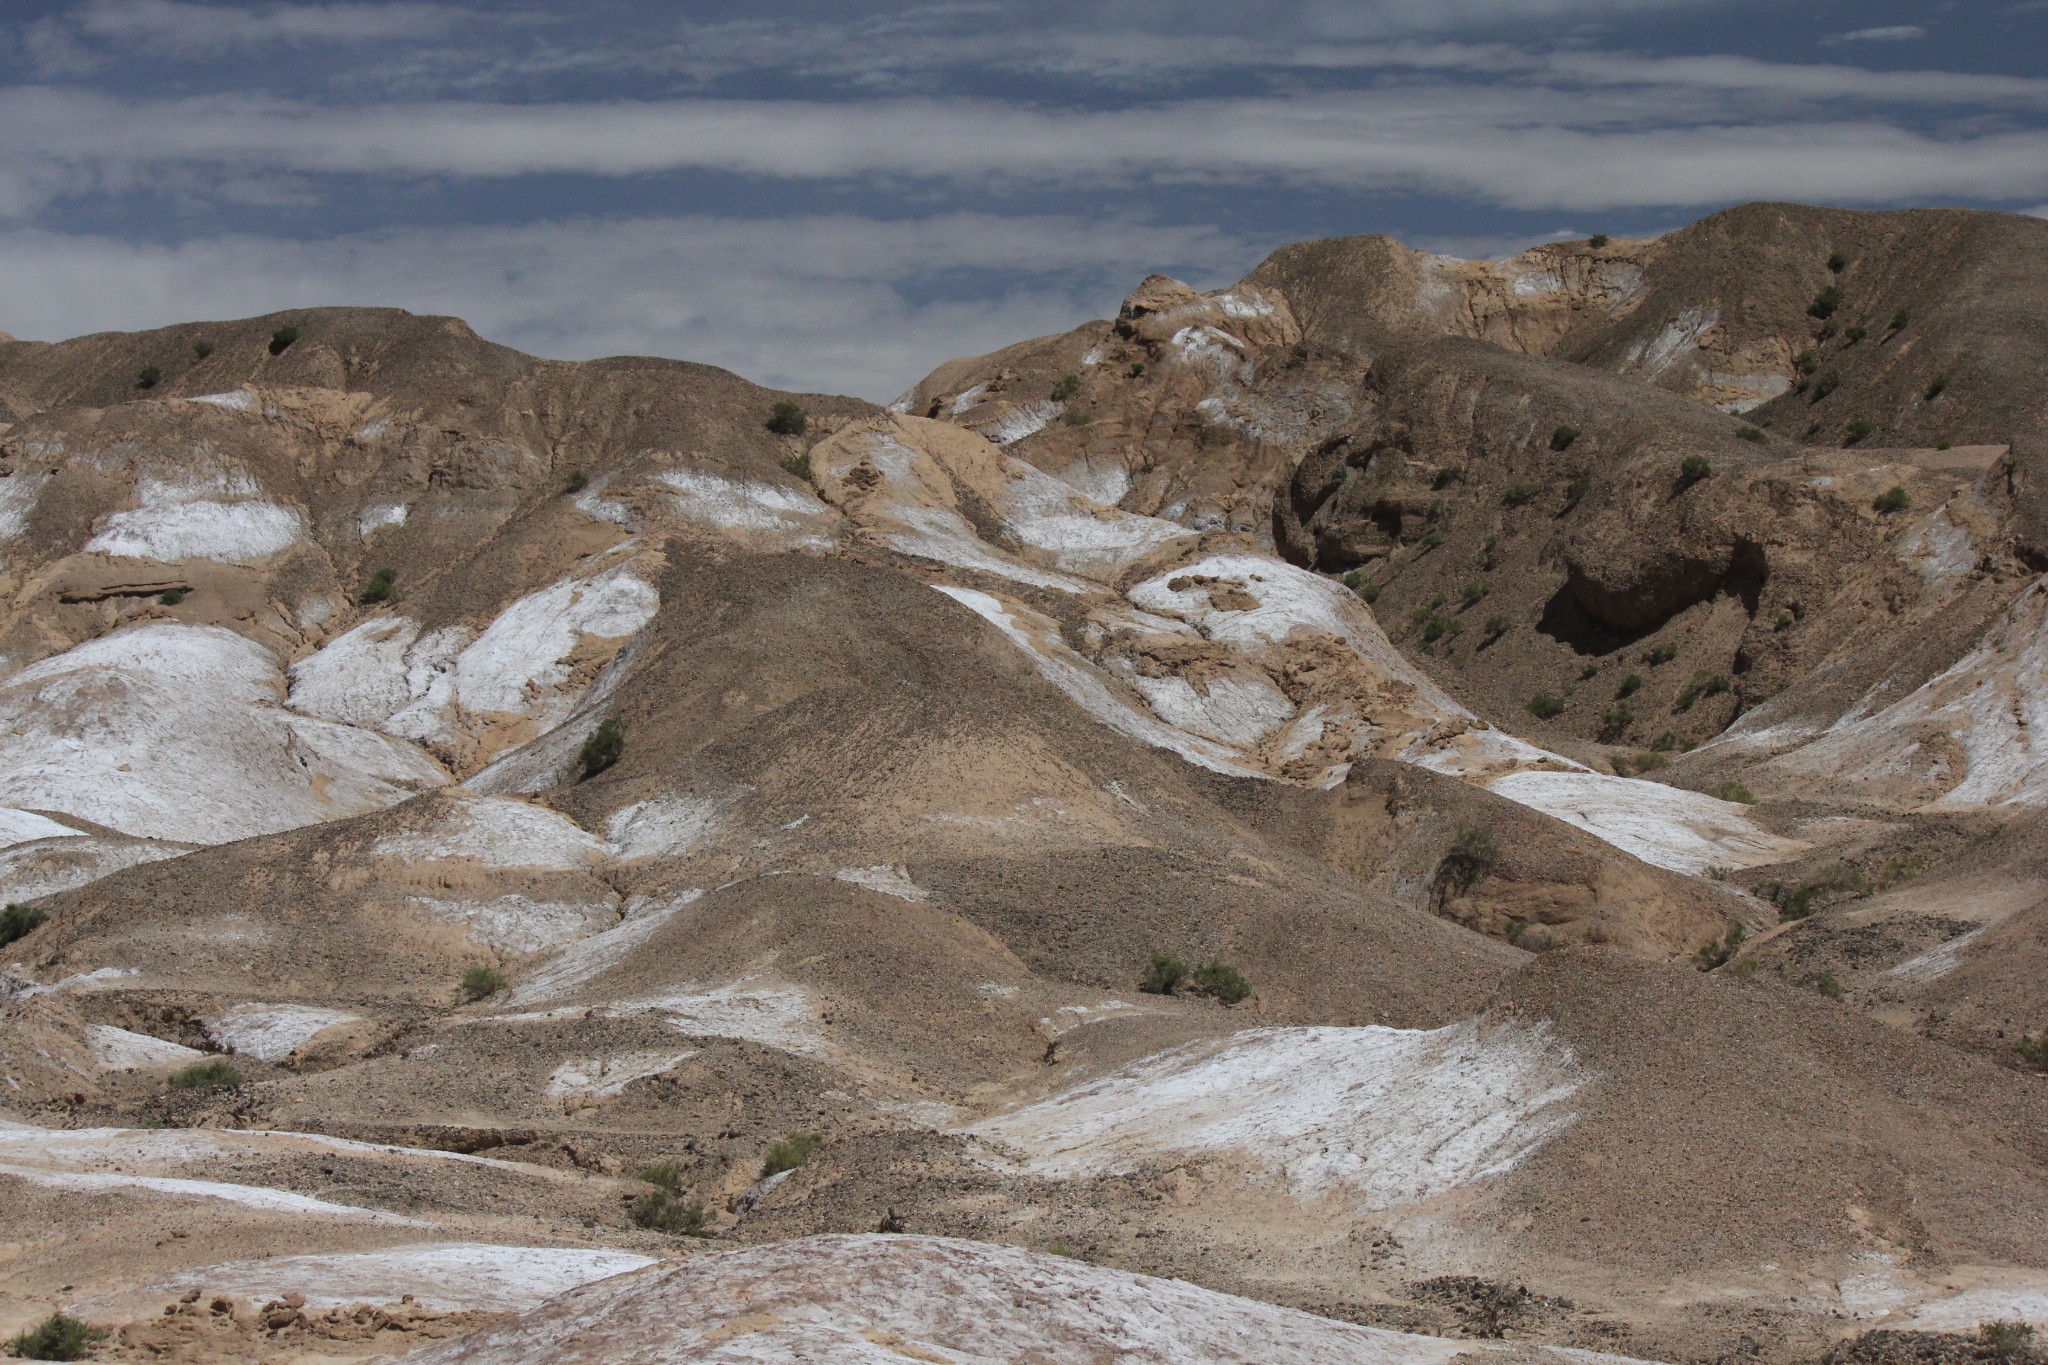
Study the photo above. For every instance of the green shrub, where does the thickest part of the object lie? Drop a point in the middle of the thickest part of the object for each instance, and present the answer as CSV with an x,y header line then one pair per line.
x,y
1471,854
480,982
1431,539
148,377
788,418
1755,434
1703,684
790,1153
1544,706
1352,580
1732,791
1693,469
1717,953
1671,742
1825,983
1827,329
202,348
282,338
1630,685
1826,385
1437,513
1473,592
1562,438
1858,429
2034,1051
1075,417
1663,654
1806,362
797,466
1163,974
1445,477
1893,499
1635,765
1856,334
1575,491
1589,672
1497,626
379,589
1518,493
1137,369
170,597
1066,388
1784,620
663,1211
57,1337
607,743
213,1075
1597,240
2007,1341
1802,385
666,1174
1825,303
1837,262
1900,319
19,921
576,482
1370,592
1614,722
1936,387
1432,626
1944,445
1222,983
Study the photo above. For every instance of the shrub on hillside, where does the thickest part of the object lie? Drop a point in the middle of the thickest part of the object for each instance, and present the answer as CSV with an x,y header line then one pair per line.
x,y
1806,362
1856,334
607,743
1635,765
1857,430
1518,493
1630,685
213,1075
1575,491
797,466
2007,1341
664,1211
1473,592
1694,469
19,921
1826,385
1066,387
170,597
1221,982
148,377
1717,953
1837,262
1496,626
1137,369
1732,791
1936,387
790,1153
1471,854
1445,477
282,338
202,349
1544,706
2034,1051
480,982
788,418
1825,303
1163,974
1562,438
1755,434
379,589
576,482
1900,319
1597,240
1663,654
1893,499
1614,722
57,1337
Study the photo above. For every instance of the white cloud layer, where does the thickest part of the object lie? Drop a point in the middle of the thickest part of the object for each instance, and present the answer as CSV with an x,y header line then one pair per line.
x,y
825,303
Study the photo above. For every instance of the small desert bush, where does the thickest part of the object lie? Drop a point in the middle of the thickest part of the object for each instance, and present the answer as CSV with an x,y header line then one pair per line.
x,y
282,338
1473,592
379,589
1076,417
1471,853
1694,469
1663,654
2034,1051
1900,319
1806,362
212,1075
1163,974
1575,491
1732,791
1431,538
1562,438
202,349
790,1153
1221,982
1893,499
1519,493
788,418
1630,685
1544,706
1703,684
1614,722
19,921
1824,982
663,1211
1066,388
1598,240
797,466
479,982
1858,429
170,597
1837,262
1826,385
1718,952
57,1337
607,743
1497,626
1752,434
1635,765
1369,591
1936,387
1855,334
1825,303
1137,369
148,377
576,482
1671,742
1445,477
2007,1341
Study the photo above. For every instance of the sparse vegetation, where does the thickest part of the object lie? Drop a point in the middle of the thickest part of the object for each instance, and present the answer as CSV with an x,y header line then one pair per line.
x,y
19,921
1496,626
1369,592
1614,722
1900,319
1694,469
1589,672
1137,369
282,339
1518,493
1221,982
1855,334
1893,499
1077,417
481,982
1718,952
1635,765
1597,240
1562,438
1471,854
1824,982
788,418
1755,434
1837,262
1825,303
1827,330
1732,791
797,466
576,482
1575,491
1544,706
148,377
1630,685
170,597
379,589
2034,1051
1163,974
1663,654
664,1211
1797,902
213,1075
1806,362
57,1337
1857,430
1445,477
790,1153
1671,742
1066,387
1784,620
1473,592
2007,1341
1431,538
1703,684
202,348
604,747
1936,387
1826,385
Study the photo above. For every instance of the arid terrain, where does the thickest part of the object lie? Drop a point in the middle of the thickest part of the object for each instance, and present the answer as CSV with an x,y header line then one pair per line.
x,y
1408,808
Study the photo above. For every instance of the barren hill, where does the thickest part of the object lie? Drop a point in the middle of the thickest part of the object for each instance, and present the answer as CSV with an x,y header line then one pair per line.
x,y
1426,800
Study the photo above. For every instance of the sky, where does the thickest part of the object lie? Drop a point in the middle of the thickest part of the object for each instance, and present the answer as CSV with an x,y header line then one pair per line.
x,y
839,196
